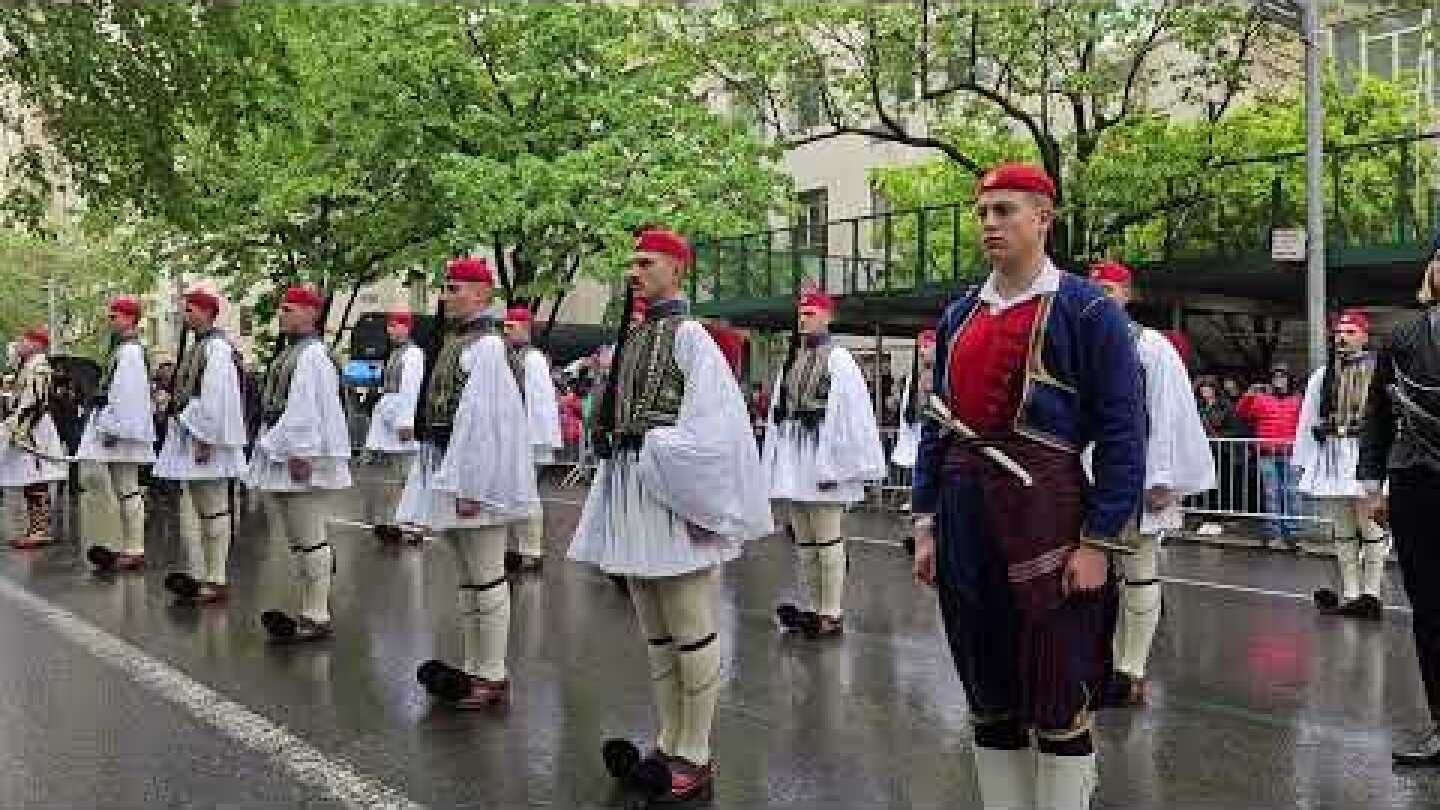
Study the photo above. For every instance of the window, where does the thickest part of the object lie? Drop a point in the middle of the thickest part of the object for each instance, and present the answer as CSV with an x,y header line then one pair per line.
x,y
1389,46
811,228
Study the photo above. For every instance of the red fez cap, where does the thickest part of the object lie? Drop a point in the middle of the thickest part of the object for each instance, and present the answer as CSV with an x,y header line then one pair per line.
x,y
816,299
469,268
404,316
1114,272
126,305
639,306
303,296
926,338
1018,177
517,315
37,334
665,242
1354,317
203,299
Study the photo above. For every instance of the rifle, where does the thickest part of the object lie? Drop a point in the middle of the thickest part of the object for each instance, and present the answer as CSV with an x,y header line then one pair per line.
x,y
433,341
605,423
782,399
912,389
173,384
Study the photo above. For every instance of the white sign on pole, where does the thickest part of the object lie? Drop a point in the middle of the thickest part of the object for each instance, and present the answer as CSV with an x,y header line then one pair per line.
x,y
1287,244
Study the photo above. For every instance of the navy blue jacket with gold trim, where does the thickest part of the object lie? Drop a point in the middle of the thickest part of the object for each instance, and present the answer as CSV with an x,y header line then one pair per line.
x,y
1082,387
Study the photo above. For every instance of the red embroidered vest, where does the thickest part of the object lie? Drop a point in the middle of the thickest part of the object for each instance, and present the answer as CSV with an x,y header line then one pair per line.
x,y
987,366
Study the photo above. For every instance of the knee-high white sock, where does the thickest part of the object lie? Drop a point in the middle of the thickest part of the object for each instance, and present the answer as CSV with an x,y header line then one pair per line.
x,y
688,605
317,568
532,535
1135,633
699,670
664,663
485,627
807,576
1006,778
188,516
831,558
665,684
126,478
212,507
1064,782
1373,554
1347,564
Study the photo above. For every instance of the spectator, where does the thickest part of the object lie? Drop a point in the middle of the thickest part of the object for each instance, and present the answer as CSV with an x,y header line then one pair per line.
x,y
1273,413
759,403
1230,388
570,416
1216,411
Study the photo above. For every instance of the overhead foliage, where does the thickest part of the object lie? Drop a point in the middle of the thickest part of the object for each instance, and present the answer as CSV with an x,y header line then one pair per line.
x,y
267,142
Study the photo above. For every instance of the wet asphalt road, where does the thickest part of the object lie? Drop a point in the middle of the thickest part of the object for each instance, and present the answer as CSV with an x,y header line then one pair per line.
x,y
1257,701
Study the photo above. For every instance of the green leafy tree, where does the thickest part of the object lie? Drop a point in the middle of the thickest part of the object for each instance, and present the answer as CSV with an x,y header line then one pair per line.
x,y
1052,78
269,142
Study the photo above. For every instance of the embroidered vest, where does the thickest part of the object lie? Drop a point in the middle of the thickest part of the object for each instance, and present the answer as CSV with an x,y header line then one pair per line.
x,y
807,386
394,368
191,371
651,385
447,379
32,399
516,356
276,393
1345,387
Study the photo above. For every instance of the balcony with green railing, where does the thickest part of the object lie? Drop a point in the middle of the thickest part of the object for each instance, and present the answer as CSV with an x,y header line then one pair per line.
x,y
1210,233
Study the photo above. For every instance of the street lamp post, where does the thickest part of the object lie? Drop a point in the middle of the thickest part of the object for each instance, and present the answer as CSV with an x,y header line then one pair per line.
x,y
1303,17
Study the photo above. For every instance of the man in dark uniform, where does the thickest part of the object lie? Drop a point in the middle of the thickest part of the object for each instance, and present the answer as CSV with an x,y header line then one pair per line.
x,y
1400,444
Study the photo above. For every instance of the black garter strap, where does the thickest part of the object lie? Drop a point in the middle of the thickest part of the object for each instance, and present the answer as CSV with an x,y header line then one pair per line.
x,y
698,645
308,549
661,642
1002,735
487,586
1077,746
1140,583
134,494
215,516
837,541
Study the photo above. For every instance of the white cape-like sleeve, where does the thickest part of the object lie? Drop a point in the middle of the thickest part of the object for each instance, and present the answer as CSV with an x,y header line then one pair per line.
x,y
128,414
488,458
1177,454
217,415
540,402
706,468
1307,450
849,448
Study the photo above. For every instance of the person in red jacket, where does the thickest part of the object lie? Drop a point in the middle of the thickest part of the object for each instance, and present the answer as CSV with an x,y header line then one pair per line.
x,y
1273,415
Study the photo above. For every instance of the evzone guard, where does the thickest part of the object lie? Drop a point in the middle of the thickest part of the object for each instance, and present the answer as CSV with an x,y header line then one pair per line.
x,y
542,418
392,424
912,408
912,400
679,490
1036,365
472,481
1327,453
31,455
204,451
119,438
1178,463
301,456
822,447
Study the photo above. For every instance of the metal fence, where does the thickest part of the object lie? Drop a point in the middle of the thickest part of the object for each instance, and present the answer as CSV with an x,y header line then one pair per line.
x,y
1241,478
